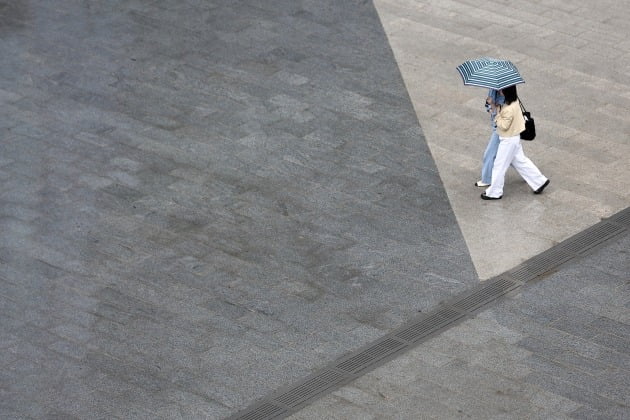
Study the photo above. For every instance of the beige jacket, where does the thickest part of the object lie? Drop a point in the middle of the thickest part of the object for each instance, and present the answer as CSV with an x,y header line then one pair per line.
x,y
510,121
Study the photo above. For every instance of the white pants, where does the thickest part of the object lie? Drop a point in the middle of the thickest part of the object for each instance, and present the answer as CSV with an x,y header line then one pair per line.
x,y
510,152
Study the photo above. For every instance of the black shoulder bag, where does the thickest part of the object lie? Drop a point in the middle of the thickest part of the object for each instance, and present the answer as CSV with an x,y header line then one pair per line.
x,y
530,128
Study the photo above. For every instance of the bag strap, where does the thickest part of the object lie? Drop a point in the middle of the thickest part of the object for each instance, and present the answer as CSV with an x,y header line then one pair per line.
x,y
521,104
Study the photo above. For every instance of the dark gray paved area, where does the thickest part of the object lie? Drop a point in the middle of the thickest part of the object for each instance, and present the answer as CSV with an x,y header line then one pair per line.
x,y
557,349
203,201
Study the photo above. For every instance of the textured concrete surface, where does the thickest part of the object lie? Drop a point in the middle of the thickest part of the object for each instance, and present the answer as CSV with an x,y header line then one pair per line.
x,y
204,201
557,349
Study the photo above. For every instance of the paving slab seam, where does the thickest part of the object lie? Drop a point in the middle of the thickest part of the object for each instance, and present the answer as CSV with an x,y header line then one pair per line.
x,y
291,399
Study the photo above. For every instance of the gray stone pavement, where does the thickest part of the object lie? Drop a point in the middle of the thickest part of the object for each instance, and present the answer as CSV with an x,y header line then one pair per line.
x,y
204,201
557,349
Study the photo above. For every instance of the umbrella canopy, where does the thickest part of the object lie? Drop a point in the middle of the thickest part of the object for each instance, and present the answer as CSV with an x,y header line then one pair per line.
x,y
489,73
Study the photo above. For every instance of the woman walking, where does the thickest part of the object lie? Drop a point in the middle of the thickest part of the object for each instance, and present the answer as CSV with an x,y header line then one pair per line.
x,y
494,100
510,123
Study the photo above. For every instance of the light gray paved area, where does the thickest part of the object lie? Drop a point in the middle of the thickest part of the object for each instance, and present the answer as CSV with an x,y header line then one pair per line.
x,y
573,56
204,201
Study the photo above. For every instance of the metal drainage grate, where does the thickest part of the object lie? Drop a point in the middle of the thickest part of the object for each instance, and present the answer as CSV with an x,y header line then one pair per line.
x,y
368,357
310,388
486,294
591,237
540,264
265,411
622,218
429,324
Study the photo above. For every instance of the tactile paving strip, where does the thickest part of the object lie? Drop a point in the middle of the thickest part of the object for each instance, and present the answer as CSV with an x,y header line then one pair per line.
x,y
342,371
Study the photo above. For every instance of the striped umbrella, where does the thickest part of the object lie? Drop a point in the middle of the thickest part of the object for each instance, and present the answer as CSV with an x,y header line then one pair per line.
x,y
489,73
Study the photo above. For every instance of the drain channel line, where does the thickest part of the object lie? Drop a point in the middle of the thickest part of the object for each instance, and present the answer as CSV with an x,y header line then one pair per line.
x,y
290,399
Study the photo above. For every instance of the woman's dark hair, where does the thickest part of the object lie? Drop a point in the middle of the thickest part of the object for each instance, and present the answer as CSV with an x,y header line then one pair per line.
x,y
510,94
